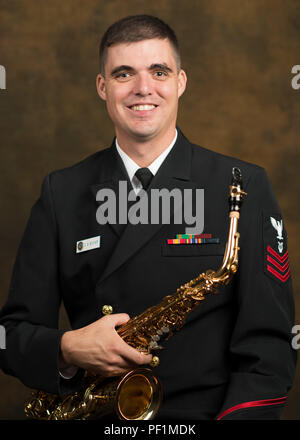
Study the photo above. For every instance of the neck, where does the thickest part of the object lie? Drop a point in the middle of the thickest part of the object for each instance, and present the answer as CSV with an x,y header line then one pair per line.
x,y
143,153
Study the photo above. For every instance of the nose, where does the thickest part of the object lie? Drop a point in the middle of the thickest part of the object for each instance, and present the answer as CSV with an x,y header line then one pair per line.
x,y
143,85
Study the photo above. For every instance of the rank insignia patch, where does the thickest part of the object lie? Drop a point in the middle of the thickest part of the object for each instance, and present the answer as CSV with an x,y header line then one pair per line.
x,y
276,257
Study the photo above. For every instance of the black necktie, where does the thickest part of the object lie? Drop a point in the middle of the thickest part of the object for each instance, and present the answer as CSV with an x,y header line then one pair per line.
x,y
145,176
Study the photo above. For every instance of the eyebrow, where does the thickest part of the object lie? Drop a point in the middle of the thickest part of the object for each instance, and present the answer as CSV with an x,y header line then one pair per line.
x,y
162,66
121,69
126,68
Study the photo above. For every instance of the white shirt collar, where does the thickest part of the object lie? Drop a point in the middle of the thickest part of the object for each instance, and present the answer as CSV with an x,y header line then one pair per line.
x,y
132,167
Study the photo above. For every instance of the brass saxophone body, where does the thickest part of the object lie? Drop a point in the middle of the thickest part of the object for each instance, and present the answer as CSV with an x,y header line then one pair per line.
x,y
137,395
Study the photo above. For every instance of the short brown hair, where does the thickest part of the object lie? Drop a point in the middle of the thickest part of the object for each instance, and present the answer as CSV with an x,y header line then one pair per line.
x,y
137,28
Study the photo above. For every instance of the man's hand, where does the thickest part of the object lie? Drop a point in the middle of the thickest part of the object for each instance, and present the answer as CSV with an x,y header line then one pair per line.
x,y
99,349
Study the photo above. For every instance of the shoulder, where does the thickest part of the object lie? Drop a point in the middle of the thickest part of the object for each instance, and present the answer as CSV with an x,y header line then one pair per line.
x,y
221,165
222,159
82,173
85,167
75,180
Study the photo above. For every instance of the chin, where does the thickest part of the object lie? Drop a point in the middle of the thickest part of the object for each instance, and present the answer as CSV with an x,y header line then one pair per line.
x,y
145,133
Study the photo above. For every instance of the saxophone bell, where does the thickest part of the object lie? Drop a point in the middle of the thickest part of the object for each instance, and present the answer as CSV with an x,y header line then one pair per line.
x,y
139,395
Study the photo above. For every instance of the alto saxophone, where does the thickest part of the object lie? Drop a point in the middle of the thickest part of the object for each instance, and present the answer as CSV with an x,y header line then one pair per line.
x,y
137,394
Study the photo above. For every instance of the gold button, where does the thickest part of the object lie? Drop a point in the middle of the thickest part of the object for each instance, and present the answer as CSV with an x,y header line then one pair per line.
x,y
107,310
154,362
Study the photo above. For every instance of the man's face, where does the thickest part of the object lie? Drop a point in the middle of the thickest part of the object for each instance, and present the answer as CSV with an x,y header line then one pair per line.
x,y
141,87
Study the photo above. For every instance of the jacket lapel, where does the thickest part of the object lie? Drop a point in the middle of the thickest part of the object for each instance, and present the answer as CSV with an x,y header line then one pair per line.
x,y
111,172
175,172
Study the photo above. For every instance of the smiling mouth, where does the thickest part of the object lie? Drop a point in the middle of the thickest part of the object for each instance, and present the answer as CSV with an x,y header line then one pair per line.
x,y
144,107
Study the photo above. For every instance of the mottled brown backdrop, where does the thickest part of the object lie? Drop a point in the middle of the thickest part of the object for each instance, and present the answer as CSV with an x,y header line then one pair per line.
x,y
239,101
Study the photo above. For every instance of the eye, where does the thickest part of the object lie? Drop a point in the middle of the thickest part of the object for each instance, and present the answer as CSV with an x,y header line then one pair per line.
x,y
160,74
122,76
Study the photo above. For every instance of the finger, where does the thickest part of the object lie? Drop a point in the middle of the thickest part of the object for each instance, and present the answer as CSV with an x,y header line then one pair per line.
x,y
129,353
121,367
117,319
132,355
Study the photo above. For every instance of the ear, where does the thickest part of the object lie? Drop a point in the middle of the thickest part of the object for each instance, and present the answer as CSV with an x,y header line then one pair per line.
x,y
100,84
182,79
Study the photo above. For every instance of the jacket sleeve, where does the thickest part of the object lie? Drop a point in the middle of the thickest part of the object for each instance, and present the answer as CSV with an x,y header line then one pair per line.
x,y
30,315
261,356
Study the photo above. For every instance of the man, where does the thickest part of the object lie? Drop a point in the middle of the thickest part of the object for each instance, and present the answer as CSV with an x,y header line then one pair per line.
x,y
233,358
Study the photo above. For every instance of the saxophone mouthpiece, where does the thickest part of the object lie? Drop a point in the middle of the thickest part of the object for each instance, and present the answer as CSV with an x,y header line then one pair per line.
x,y
236,177
236,193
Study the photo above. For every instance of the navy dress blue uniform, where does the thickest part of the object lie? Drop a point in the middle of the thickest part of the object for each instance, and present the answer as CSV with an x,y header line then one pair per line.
x,y
233,358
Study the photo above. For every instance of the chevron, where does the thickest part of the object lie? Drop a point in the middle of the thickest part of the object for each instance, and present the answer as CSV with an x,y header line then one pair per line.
x,y
274,262
282,278
276,255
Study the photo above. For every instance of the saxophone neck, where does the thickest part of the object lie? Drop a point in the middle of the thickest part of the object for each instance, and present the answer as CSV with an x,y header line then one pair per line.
x,y
230,260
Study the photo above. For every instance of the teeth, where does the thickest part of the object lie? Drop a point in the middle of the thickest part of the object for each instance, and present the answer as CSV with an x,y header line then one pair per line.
x,y
142,107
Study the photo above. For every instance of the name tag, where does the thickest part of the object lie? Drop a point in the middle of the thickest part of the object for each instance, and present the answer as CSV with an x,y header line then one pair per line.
x,y
88,244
